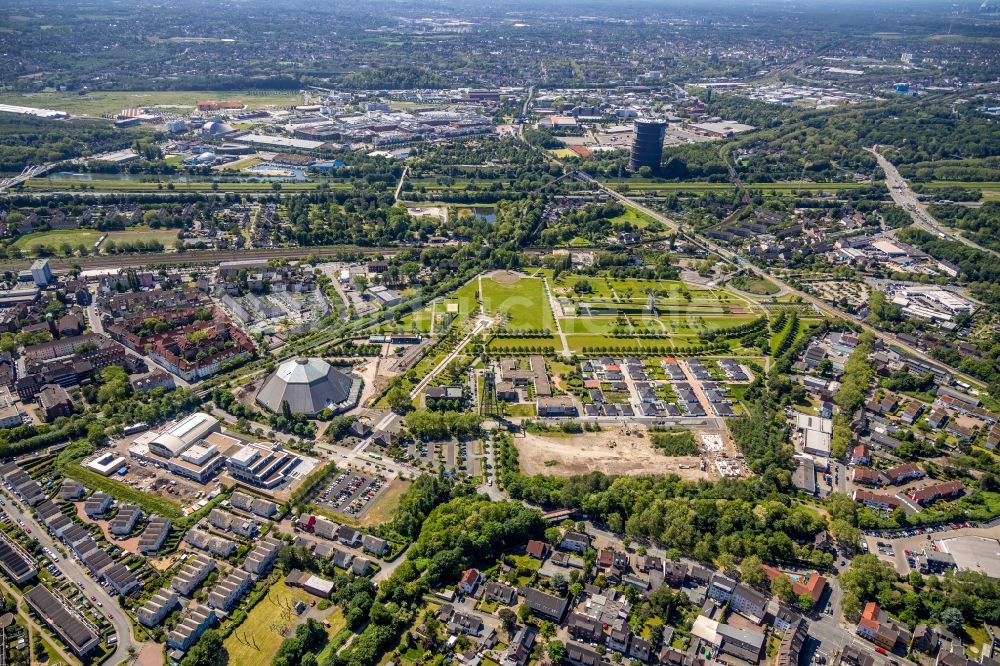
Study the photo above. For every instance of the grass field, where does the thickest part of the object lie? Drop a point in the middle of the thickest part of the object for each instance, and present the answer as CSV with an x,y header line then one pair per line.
x,y
259,628
385,505
637,218
97,103
151,503
522,300
87,237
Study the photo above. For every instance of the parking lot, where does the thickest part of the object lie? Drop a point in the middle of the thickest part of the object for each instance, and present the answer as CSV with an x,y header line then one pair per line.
x,y
892,546
351,493
459,458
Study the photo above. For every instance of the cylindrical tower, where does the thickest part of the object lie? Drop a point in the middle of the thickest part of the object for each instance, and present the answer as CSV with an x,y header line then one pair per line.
x,y
647,148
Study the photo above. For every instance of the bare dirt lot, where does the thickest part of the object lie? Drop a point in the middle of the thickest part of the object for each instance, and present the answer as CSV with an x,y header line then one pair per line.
x,y
609,451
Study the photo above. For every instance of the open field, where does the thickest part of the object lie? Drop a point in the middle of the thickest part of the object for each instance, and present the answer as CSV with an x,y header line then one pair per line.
x,y
635,217
384,505
609,451
97,103
259,629
87,237
149,502
521,299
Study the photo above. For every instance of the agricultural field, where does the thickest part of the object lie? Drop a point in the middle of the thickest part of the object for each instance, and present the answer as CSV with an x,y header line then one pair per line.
x,y
110,102
77,238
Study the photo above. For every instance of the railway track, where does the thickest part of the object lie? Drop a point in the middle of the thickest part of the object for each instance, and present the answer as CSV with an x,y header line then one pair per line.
x,y
195,257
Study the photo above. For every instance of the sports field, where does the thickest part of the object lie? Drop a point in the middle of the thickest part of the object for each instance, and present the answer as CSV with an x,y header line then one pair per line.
x,y
77,238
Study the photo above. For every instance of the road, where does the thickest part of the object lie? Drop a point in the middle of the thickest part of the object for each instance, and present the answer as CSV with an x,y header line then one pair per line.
x,y
74,571
97,326
906,199
556,312
399,187
30,171
820,305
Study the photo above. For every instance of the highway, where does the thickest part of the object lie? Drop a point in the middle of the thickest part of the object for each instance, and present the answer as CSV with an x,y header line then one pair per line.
x,y
906,199
74,571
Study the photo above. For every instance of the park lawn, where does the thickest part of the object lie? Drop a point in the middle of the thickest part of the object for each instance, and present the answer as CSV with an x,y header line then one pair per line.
x,y
511,343
109,102
77,238
758,286
244,163
522,300
466,297
636,217
151,503
588,325
419,321
53,239
976,637
260,628
522,409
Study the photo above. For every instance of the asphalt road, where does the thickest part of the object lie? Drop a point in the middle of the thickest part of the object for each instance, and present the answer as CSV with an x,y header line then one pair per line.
x,y
74,571
906,199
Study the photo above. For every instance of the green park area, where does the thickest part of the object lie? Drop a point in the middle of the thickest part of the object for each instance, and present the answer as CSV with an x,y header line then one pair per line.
x,y
521,300
258,638
86,238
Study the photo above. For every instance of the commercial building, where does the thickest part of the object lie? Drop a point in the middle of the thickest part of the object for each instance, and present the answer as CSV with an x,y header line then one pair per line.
x,y
647,147
189,448
261,465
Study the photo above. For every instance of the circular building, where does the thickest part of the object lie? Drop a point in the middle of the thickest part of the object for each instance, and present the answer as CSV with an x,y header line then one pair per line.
x,y
309,385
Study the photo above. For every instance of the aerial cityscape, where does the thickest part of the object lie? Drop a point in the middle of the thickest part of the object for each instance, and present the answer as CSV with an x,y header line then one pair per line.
x,y
413,333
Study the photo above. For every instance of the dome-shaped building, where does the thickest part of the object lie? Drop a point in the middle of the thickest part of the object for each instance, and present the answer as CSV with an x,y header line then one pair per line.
x,y
216,128
309,385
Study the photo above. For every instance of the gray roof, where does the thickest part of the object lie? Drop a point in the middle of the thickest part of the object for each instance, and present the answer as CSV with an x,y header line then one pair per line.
x,y
310,385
